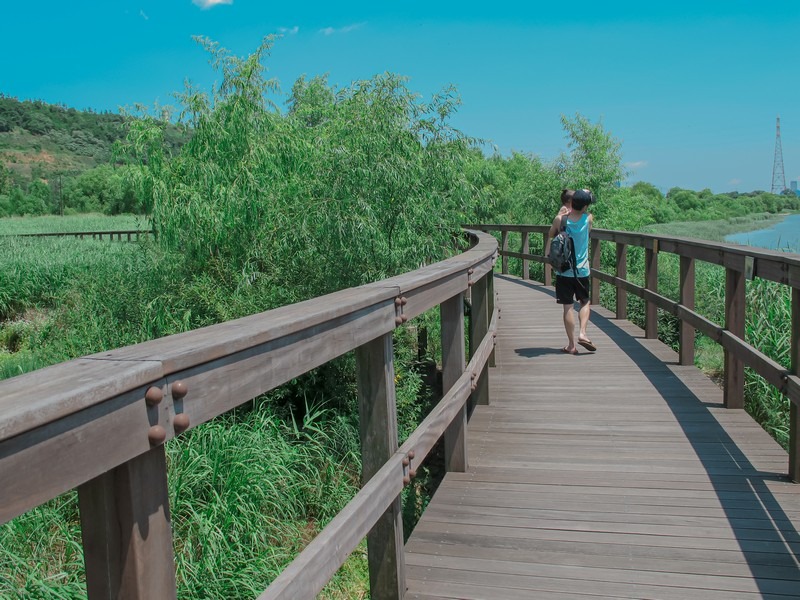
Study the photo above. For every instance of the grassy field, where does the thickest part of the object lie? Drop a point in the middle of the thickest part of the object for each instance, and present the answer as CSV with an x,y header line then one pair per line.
x,y
716,231
67,224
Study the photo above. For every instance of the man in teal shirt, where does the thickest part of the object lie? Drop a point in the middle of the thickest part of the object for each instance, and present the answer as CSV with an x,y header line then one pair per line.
x,y
573,284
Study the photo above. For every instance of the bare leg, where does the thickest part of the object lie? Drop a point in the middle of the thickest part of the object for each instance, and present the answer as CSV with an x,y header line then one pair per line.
x,y
569,325
583,317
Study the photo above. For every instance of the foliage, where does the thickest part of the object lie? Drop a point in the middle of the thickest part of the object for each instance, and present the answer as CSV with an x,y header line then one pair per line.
x,y
347,188
595,161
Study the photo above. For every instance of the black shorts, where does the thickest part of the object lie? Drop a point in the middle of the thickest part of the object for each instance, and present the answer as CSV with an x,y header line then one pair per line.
x,y
568,289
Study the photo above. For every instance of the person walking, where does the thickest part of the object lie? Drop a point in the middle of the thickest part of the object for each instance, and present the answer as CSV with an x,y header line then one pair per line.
x,y
573,284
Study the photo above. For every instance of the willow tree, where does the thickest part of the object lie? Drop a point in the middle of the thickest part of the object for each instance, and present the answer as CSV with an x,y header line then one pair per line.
x,y
349,185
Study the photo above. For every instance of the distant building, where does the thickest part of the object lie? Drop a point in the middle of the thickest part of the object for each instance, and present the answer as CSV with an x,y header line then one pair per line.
x,y
793,187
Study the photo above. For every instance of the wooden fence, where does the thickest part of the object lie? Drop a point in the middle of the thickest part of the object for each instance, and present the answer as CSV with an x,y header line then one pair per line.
x,y
99,423
740,263
128,234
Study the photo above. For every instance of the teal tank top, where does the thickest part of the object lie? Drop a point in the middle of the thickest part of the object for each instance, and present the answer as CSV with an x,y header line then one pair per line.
x,y
579,232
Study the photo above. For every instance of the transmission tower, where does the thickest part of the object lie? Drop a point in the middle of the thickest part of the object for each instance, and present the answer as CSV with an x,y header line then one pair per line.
x,y
778,179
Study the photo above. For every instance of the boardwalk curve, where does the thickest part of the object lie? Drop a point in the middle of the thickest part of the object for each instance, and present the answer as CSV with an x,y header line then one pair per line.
x,y
628,480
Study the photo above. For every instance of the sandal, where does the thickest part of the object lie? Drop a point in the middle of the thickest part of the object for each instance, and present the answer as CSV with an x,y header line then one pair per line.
x,y
588,345
565,351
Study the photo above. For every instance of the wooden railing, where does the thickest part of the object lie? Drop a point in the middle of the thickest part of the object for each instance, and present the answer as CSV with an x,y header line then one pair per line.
x,y
128,234
99,423
740,263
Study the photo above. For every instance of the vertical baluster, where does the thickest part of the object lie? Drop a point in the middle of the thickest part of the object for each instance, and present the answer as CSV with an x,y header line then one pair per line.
x,y
622,273
525,250
651,283
686,352
594,243
455,437
548,270
734,322
504,246
378,431
125,525
479,326
794,412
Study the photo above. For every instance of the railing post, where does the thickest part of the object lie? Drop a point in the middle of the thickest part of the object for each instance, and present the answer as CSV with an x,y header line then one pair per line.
x,y
622,273
479,327
490,302
504,246
651,283
548,270
595,258
378,431
794,413
525,250
686,352
455,436
734,322
125,525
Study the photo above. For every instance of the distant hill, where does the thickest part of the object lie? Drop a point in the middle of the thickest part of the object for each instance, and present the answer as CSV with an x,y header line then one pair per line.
x,y
38,139
58,160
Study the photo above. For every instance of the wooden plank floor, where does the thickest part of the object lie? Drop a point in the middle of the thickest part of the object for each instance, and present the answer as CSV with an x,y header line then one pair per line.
x,y
606,475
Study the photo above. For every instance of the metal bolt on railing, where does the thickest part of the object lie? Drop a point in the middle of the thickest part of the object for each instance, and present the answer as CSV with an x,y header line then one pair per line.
x,y
153,396
157,434
408,472
179,390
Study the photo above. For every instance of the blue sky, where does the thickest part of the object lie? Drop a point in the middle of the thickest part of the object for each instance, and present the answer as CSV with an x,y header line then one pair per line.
x,y
691,89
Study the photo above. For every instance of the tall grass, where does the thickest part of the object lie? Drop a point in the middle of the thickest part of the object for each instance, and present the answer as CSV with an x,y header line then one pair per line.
x,y
247,492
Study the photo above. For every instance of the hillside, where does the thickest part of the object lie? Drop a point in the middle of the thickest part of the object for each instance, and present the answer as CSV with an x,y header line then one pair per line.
x,y
46,148
58,138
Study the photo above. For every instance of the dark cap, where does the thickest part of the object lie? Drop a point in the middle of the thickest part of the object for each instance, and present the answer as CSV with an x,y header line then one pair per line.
x,y
582,198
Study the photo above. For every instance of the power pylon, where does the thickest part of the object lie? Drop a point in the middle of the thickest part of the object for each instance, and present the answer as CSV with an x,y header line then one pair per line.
x,y
778,179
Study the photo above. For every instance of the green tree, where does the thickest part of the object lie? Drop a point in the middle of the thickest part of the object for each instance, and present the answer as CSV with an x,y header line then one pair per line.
x,y
594,160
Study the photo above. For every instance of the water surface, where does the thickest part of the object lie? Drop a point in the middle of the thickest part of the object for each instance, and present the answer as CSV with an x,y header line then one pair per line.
x,y
784,235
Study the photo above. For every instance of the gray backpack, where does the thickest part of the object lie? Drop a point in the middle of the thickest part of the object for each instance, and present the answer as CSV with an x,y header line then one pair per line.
x,y
562,249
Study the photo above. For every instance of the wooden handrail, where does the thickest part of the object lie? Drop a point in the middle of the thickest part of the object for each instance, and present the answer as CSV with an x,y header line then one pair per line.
x,y
740,263
99,423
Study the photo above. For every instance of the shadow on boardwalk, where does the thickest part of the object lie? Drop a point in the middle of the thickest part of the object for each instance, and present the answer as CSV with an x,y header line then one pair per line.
x,y
765,533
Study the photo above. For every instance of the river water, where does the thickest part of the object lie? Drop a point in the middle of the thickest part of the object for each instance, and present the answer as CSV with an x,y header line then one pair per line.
x,y
785,235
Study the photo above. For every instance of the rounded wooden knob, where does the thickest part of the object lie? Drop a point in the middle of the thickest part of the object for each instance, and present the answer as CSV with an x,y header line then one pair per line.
x,y
411,454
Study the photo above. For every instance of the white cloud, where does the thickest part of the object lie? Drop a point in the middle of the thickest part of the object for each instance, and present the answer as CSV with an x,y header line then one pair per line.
x,y
143,15
345,29
289,30
639,164
206,4
734,182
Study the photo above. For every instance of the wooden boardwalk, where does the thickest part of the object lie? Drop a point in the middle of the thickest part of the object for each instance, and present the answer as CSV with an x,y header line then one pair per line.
x,y
610,475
